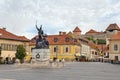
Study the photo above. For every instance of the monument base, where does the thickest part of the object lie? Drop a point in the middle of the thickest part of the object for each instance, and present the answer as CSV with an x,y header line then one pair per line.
x,y
39,55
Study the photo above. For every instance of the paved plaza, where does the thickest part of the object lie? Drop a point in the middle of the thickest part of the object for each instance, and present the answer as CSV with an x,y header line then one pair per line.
x,y
71,71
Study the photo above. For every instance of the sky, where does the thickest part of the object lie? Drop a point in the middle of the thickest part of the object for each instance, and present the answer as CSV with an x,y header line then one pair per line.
x,y
20,16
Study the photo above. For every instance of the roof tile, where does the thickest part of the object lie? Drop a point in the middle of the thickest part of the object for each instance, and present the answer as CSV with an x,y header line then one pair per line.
x,y
116,36
61,40
113,27
8,35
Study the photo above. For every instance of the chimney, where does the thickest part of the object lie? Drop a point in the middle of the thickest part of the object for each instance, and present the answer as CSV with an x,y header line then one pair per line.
x,y
4,28
62,33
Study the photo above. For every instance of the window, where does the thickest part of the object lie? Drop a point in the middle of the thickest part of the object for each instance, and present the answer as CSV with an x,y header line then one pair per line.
x,y
116,58
67,39
115,47
95,53
55,49
66,49
55,39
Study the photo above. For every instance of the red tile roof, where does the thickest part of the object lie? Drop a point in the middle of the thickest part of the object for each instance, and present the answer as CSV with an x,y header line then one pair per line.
x,y
60,40
4,34
113,27
92,45
93,32
104,48
77,29
116,36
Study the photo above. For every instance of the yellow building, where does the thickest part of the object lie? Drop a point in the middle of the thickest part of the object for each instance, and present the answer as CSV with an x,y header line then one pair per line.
x,y
9,43
61,46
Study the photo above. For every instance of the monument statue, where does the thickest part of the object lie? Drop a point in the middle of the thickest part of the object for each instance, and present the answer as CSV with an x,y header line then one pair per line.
x,y
41,52
41,42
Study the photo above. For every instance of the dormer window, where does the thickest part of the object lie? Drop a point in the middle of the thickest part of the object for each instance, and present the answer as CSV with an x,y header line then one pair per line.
x,y
55,39
67,39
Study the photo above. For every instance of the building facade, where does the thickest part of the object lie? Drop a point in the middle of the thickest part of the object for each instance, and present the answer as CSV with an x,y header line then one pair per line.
x,y
114,48
9,43
61,46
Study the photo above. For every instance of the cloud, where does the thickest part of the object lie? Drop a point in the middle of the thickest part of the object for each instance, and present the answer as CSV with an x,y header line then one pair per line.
x,y
20,16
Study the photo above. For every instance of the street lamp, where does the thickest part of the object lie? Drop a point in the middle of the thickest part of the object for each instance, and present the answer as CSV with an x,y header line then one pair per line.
x,y
56,51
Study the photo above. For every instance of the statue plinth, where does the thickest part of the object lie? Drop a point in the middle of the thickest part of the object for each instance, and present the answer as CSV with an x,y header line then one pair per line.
x,y
41,54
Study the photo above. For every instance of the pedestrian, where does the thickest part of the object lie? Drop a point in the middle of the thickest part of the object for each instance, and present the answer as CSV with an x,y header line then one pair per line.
x,y
51,61
63,61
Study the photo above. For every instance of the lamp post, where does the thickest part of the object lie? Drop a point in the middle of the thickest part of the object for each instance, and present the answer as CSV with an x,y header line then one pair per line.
x,y
56,51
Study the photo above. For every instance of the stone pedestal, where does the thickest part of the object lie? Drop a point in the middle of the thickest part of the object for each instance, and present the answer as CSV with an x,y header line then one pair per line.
x,y
41,54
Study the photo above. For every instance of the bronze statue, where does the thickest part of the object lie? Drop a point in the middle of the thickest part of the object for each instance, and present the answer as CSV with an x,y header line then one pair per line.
x,y
40,31
41,42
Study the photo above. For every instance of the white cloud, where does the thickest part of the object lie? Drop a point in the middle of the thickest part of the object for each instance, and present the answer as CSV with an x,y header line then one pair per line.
x,y
19,16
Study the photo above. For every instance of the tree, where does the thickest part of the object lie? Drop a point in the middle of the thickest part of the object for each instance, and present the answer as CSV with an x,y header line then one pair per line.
x,y
20,53
101,41
90,39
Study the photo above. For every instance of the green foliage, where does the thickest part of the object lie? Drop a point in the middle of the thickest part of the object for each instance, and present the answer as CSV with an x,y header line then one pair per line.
x,y
101,41
91,39
1,60
20,52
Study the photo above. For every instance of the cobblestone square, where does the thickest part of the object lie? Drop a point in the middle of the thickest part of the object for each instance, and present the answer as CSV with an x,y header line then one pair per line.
x,y
71,71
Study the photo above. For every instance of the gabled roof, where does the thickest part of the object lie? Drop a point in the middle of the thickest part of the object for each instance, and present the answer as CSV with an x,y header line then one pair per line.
x,y
4,34
77,29
91,31
113,27
71,35
116,36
